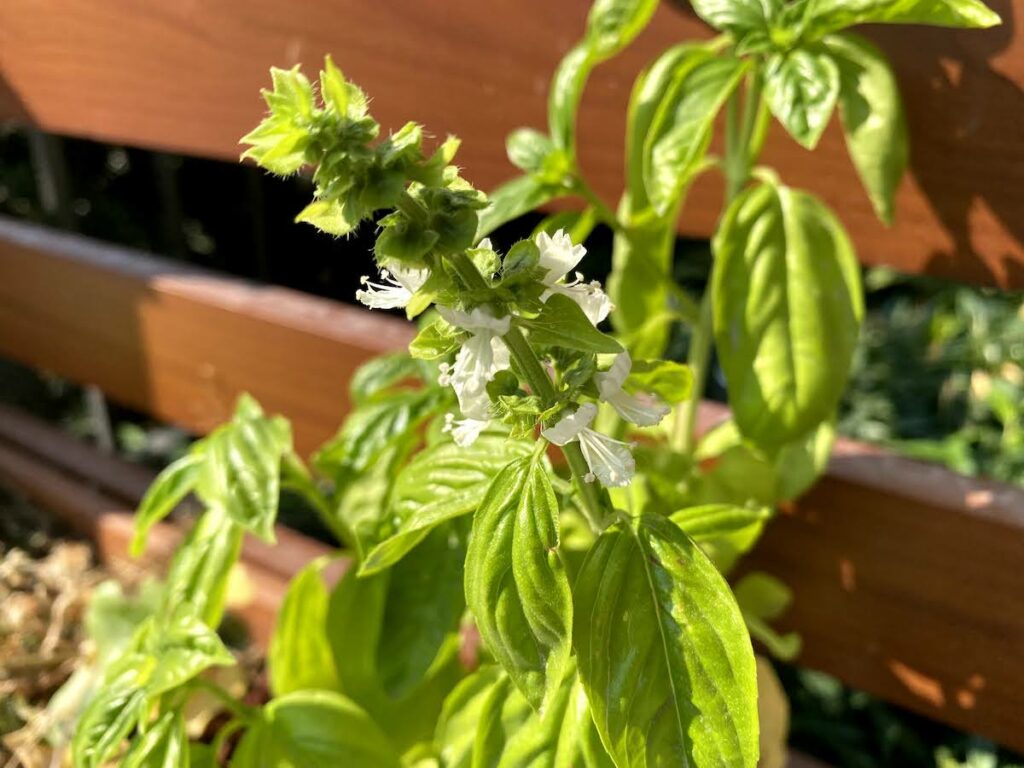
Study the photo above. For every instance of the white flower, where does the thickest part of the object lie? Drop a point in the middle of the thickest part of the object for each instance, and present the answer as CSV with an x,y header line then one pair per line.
x,y
642,410
464,431
610,461
558,256
400,283
479,359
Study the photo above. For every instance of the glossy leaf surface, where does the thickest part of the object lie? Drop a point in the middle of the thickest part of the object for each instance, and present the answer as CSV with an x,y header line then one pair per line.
x,y
787,311
663,653
516,585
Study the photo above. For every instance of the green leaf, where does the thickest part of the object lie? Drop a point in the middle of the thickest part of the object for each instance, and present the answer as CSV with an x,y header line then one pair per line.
x,y
424,608
356,621
314,728
613,24
198,575
511,200
460,716
163,745
183,646
241,471
372,428
172,485
512,736
299,656
516,585
561,323
335,217
787,311
381,373
801,88
528,148
442,482
725,532
683,139
738,16
663,653
503,714
873,120
831,15
108,719
565,94
280,141
763,598
670,381
642,255
435,341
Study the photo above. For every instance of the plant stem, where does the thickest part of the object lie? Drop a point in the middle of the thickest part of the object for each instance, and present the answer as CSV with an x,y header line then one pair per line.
x,y
597,507
605,214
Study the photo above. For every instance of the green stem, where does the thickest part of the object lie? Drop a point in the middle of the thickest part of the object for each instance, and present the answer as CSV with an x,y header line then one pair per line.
x,y
604,214
597,506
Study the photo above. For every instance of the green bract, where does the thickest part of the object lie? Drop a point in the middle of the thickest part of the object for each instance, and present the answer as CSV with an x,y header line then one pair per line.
x,y
536,540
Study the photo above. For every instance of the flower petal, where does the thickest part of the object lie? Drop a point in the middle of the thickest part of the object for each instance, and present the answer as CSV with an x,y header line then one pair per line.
x,y
610,460
570,427
642,410
591,299
558,255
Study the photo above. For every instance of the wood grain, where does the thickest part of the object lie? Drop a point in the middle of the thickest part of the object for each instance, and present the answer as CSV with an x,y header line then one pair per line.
x,y
907,577
185,76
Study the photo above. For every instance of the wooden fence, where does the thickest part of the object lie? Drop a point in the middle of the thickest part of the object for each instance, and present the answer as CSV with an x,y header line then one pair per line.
x,y
907,577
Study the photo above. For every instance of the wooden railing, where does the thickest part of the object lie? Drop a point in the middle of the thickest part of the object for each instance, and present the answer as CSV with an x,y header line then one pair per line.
x,y
907,577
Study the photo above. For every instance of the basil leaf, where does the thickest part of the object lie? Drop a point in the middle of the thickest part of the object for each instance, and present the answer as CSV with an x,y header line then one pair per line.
x,y
198,575
116,708
873,120
738,16
379,374
423,611
566,93
182,646
516,585
801,88
511,200
561,323
670,381
460,716
241,471
309,728
787,311
503,713
442,482
642,255
163,745
563,735
299,656
527,149
763,598
676,155
830,15
372,428
725,532
172,485
662,651
355,627
614,24
435,341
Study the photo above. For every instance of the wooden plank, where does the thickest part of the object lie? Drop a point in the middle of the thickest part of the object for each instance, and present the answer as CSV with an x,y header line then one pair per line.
x,y
185,77
176,342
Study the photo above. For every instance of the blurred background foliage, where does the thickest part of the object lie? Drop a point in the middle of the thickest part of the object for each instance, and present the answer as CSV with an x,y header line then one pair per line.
x,y
939,374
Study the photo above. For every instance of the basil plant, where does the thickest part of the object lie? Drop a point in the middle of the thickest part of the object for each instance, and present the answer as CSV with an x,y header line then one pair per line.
x,y
537,539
